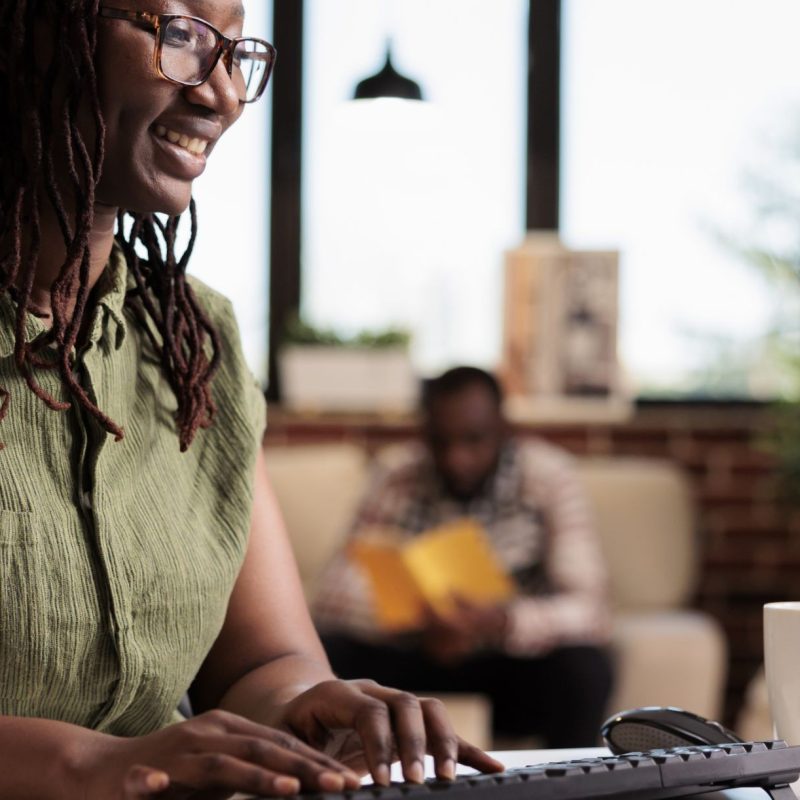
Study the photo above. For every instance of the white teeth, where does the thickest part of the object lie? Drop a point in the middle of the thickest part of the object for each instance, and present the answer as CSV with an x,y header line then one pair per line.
x,y
192,144
198,146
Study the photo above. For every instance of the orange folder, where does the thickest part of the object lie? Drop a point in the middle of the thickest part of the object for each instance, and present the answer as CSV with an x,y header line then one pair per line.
x,y
430,570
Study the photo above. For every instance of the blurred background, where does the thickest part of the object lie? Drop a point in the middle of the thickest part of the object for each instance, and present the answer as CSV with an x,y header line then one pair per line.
x,y
665,131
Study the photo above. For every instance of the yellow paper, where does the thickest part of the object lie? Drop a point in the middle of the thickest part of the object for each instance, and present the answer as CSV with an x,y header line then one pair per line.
x,y
398,602
432,569
456,560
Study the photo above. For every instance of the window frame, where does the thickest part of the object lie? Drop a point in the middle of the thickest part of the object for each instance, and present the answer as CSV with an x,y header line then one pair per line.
x,y
542,168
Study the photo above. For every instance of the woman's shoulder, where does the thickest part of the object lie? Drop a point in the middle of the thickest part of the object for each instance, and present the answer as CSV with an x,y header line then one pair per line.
x,y
217,307
236,389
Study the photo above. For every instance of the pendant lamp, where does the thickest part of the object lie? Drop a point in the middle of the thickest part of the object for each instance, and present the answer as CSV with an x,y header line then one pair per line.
x,y
388,82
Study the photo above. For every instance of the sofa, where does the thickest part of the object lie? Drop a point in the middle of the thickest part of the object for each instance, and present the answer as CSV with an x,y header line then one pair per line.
x,y
665,652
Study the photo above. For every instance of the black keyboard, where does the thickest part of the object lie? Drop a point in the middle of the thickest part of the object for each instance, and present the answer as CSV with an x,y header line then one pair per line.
x,y
652,775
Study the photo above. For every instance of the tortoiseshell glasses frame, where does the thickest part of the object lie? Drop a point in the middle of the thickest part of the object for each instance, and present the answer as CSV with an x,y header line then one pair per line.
x,y
177,32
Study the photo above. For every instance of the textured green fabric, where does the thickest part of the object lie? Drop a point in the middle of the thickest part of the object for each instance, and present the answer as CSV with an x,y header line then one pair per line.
x,y
112,593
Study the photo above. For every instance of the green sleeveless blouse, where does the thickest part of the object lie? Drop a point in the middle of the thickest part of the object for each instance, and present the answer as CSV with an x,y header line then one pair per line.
x,y
117,559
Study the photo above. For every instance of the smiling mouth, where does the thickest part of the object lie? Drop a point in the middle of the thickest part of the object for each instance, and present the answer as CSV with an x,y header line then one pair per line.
x,y
194,145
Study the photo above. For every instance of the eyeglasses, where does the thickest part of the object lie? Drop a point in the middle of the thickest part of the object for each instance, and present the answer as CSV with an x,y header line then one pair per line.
x,y
188,48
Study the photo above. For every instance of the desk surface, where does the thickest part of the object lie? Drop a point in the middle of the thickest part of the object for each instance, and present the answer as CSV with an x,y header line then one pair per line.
x,y
522,758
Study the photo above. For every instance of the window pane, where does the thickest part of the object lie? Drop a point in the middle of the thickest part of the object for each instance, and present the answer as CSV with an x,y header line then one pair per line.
x,y
408,207
231,252
676,118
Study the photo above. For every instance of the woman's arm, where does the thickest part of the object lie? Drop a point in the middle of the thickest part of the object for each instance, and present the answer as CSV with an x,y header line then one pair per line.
x,y
268,641
48,760
261,668
268,665
38,756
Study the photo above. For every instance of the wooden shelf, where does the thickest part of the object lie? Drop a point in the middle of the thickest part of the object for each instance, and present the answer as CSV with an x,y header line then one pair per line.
x,y
572,410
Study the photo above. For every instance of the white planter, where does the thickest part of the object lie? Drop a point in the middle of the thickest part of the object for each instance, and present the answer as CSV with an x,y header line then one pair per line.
x,y
321,378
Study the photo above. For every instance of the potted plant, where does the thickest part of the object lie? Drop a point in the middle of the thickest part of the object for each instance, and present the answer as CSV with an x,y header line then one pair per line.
x,y
322,371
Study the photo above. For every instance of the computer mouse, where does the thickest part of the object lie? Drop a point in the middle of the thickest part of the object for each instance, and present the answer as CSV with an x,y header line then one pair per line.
x,y
655,727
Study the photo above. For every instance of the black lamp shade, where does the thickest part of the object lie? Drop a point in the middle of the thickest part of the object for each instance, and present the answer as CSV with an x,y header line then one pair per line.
x,y
388,83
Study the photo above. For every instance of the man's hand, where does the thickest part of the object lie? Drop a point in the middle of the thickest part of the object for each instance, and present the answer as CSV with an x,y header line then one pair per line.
x,y
467,630
366,726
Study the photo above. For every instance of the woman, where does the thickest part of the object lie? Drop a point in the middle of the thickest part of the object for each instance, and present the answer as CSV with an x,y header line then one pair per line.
x,y
140,546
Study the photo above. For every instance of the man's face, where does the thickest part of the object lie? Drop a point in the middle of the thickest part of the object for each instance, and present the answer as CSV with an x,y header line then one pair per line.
x,y
464,431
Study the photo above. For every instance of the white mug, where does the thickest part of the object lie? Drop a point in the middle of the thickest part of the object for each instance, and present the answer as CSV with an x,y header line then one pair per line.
x,y
782,667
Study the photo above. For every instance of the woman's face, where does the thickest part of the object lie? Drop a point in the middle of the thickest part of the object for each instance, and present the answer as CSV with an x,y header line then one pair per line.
x,y
143,170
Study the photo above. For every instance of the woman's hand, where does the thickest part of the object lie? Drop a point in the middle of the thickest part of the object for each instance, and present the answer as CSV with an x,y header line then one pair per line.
x,y
367,726
211,756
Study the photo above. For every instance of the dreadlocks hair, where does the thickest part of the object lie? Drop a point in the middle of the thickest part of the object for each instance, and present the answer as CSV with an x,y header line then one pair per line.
x,y
39,128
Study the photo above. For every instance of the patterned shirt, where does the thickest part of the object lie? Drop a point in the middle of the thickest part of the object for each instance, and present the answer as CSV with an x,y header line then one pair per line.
x,y
536,516
117,559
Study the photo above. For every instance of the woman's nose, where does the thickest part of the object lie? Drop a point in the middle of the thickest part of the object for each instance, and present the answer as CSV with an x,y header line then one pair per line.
x,y
217,93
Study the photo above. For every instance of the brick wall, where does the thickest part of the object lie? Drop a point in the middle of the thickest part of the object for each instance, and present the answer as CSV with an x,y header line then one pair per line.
x,y
749,543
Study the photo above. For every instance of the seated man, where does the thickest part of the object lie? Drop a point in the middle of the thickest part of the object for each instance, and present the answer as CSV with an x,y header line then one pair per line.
x,y
539,657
